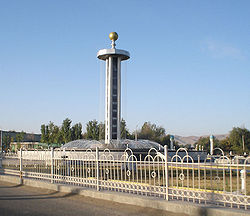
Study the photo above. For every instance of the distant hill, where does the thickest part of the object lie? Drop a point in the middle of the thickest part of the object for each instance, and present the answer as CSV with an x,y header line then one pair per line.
x,y
186,140
193,139
28,137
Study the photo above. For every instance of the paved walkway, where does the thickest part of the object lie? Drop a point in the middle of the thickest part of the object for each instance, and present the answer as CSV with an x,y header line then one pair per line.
x,y
23,200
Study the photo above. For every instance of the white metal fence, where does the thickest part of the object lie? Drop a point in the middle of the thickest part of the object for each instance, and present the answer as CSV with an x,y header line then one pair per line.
x,y
152,174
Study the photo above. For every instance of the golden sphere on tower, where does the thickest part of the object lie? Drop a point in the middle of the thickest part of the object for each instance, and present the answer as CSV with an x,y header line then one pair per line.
x,y
113,36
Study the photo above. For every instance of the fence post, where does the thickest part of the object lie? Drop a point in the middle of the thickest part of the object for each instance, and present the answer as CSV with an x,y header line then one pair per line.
x,y
21,165
97,169
166,169
52,164
1,160
243,180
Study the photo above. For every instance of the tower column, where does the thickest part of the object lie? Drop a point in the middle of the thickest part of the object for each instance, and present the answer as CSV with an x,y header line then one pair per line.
x,y
107,102
119,99
108,135
113,58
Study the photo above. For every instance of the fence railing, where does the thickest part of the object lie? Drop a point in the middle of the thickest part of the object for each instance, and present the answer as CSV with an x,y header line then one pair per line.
x,y
215,181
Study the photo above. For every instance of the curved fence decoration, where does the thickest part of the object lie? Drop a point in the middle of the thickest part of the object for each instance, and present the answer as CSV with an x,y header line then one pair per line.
x,y
218,180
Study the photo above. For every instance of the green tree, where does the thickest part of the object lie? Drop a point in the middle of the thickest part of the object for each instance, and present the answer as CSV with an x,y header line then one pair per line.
x,y
101,127
55,134
58,138
225,145
146,131
66,130
51,133
92,130
47,134
151,132
165,140
6,142
188,146
236,138
19,139
205,143
12,147
44,133
124,131
76,131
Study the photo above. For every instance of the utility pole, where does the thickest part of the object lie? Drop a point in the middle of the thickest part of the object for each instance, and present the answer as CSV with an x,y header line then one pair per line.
x,y
136,132
243,143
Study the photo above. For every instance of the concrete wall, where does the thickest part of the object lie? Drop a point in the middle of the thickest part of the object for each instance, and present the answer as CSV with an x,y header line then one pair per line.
x,y
151,202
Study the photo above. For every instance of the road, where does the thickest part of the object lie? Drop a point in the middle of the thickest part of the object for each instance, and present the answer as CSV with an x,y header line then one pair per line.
x,y
20,200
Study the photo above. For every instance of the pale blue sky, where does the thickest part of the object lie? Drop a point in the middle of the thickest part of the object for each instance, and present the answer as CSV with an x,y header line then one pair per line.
x,y
189,69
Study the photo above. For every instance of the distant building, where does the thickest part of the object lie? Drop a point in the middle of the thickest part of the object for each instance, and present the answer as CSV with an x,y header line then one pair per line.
x,y
14,146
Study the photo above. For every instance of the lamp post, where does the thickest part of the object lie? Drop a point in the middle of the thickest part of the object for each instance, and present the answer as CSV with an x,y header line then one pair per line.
x,y
243,143
1,149
136,138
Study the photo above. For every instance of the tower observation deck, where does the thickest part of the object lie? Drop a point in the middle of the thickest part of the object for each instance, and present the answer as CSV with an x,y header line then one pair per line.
x,y
113,58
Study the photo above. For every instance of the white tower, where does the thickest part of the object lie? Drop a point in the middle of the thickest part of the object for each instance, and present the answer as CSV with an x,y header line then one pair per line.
x,y
172,142
113,58
211,144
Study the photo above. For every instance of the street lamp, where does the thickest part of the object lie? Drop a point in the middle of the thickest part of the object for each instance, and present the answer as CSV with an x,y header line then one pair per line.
x,y
136,132
1,148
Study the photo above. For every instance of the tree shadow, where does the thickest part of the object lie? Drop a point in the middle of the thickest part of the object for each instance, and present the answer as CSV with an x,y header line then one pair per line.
x,y
203,212
34,195
14,186
37,197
